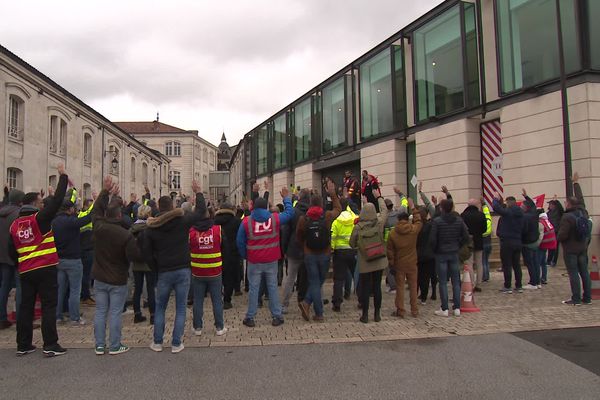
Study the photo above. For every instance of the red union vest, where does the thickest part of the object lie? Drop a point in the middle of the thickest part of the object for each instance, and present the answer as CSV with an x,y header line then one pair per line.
x,y
205,249
263,240
549,240
34,249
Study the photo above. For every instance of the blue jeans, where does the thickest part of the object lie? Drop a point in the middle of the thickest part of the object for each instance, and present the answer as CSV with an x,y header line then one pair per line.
x,y
109,301
317,266
577,267
178,281
447,265
255,274
541,259
531,261
87,259
69,273
7,273
485,262
200,286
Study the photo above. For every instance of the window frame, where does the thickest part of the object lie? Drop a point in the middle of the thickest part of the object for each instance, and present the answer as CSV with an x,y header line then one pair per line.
x,y
16,132
343,80
273,140
583,43
17,178
462,28
133,167
87,148
63,138
294,126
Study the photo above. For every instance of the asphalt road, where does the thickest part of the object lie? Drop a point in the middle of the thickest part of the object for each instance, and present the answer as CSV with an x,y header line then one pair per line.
x,y
501,366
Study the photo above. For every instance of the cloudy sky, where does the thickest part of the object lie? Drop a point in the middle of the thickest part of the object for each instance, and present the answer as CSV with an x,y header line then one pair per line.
x,y
205,65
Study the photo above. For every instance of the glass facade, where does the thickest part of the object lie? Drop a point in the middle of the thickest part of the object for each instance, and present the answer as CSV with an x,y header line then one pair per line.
x,y
446,72
376,112
593,13
280,142
334,115
262,151
302,130
399,87
528,41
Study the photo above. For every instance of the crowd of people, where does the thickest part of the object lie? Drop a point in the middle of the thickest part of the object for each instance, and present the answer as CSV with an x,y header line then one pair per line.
x,y
68,251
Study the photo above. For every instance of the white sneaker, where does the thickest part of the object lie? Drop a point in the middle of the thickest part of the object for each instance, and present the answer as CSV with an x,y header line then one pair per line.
x,y
456,312
221,332
441,313
177,349
156,347
197,332
79,322
539,286
530,287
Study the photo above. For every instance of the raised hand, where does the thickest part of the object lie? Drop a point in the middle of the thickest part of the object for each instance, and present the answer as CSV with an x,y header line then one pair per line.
x,y
411,204
397,190
196,187
524,192
285,192
61,169
420,186
434,200
575,177
266,185
444,189
107,183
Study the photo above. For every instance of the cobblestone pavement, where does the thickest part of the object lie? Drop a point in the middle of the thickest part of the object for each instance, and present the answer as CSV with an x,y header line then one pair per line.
x,y
531,310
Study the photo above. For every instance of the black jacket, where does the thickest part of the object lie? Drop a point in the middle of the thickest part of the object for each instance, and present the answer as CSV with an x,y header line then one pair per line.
x,y
510,225
166,240
66,234
531,219
448,234
477,225
8,214
424,250
294,248
230,224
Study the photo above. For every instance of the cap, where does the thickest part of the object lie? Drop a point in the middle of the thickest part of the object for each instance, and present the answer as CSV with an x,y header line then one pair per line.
x,y
260,203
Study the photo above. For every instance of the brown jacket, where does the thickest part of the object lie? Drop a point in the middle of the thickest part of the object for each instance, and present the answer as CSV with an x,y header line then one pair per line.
x,y
367,219
330,216
402,243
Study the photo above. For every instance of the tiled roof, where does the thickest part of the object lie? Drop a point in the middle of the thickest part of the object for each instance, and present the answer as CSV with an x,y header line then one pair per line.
x,y
149,127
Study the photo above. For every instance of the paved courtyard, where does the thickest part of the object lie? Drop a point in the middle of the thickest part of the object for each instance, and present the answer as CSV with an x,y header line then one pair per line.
x,y
531,310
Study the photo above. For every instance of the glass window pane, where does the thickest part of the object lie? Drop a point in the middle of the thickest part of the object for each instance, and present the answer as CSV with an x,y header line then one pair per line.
x,y
279,138
261,150
376,95
334,116
438,65
471,54
594,17
528,41
303,130
399,86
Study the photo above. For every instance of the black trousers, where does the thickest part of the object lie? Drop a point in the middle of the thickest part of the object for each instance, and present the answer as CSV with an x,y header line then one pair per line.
x,y
426,274
138,279
510,254
344,260
370,282
231,277
40,282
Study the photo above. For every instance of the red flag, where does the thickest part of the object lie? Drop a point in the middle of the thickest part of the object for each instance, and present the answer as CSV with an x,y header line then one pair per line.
x,y
538,200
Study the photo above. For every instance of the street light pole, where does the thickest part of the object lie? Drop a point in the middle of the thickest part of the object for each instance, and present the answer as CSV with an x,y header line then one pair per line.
x,y
565,106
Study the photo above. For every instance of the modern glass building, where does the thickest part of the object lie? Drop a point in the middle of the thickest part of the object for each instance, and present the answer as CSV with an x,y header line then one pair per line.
x,y
468,95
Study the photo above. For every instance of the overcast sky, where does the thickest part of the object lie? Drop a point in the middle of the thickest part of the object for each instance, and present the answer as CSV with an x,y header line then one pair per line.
x,y
204,65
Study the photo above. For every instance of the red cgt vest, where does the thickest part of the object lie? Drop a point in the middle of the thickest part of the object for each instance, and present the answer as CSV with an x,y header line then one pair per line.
x,y
205,249
34,249
549,240
263,240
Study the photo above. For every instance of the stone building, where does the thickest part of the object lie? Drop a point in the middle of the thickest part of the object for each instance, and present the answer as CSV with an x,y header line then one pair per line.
x,y
468,96
44,125
191,156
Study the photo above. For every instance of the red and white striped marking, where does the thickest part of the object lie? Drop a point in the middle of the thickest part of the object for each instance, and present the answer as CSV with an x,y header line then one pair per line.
x,y
491,159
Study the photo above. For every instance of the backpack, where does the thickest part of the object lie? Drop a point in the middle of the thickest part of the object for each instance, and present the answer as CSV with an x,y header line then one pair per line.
x,y
316,235
582,226
371,243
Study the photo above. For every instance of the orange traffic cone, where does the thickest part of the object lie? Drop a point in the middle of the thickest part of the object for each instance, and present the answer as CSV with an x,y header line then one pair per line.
x,y
467,301
595,278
